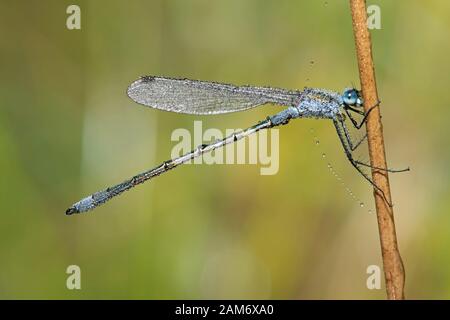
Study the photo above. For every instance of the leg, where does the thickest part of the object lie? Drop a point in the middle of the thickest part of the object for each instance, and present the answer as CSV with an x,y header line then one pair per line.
x,y
346,109
382,169
353,147
354,163
359,142
366,114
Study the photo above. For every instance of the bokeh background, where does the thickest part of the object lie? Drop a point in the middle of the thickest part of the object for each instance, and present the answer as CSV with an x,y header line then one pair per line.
x,y
67,129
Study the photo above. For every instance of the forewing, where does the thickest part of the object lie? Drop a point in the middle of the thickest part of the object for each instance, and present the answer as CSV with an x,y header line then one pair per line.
x,y
202,97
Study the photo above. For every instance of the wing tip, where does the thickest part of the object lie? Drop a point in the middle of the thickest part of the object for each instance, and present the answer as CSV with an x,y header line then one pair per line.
x,y
135,84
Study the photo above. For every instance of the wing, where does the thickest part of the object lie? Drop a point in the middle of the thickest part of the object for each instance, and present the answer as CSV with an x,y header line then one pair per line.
x,y
202,97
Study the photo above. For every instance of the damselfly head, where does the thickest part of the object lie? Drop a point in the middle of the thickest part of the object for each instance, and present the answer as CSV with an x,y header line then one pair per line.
x,y
352,97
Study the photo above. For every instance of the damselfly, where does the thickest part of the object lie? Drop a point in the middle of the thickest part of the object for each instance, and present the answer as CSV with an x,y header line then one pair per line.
x,y
208,98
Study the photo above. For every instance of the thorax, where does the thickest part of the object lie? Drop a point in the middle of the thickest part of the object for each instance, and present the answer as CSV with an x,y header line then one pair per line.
x,y
319,103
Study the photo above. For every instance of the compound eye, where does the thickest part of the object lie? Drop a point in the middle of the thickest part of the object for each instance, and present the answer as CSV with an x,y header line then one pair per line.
x,y
350,97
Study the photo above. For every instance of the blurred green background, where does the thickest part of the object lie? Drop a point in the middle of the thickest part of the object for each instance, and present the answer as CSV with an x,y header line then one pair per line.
x,y
67,129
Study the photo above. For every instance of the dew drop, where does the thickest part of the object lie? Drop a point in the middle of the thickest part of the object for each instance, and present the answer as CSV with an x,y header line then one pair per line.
x,y
337,176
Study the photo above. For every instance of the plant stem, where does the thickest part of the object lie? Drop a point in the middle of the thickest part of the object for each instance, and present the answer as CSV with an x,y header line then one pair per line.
x,y
392,262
